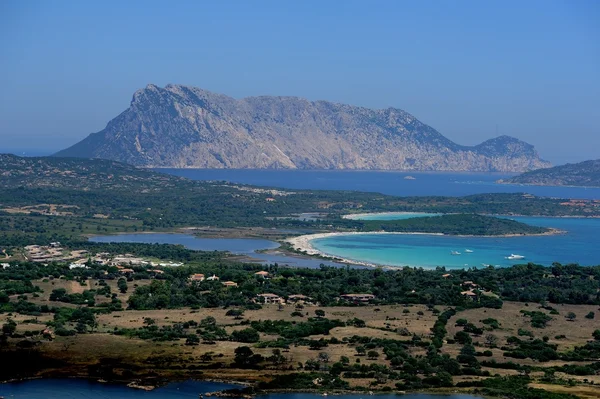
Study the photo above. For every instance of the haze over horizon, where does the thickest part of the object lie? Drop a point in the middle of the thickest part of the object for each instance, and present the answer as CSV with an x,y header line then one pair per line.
x,y
471,70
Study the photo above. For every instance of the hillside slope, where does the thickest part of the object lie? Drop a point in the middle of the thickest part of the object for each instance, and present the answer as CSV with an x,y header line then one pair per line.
x,y
585,174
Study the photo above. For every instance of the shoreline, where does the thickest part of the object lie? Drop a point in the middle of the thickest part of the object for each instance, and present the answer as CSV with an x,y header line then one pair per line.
x,y
302,244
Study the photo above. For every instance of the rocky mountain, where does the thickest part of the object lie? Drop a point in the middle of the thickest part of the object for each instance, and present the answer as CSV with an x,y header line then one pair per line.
x,y
579,174
186,127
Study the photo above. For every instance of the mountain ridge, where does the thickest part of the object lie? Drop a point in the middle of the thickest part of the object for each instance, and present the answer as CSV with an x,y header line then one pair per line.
x,y
183,126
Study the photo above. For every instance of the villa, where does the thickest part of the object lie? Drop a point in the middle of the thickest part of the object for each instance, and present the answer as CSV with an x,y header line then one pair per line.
x,y
271,298
197,277
358,297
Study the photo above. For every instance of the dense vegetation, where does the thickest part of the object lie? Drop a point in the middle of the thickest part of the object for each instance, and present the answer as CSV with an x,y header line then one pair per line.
x,y
454,224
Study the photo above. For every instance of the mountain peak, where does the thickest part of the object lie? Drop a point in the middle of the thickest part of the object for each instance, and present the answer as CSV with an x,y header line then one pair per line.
x,y
185,126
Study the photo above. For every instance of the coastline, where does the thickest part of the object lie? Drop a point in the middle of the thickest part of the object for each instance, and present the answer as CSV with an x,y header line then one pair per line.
x,y
302,244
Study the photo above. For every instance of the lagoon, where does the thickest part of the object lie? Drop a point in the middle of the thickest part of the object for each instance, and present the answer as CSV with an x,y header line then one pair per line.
x,y
77,388
580,244
238,246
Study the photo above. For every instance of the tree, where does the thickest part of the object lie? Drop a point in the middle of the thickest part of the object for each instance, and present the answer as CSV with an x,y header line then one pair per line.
x,y
122,285
247,335
590,315
571,316
324,357
276,358
192,339
206,357
596,335
9,327
236,313
372,355
491,340
320,313
463,338
245,358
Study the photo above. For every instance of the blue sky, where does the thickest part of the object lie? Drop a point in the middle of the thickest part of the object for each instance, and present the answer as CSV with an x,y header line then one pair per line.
x,y
530,69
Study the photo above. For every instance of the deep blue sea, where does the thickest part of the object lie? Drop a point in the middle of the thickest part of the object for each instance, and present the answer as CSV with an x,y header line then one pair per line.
x,y
83,389
386,182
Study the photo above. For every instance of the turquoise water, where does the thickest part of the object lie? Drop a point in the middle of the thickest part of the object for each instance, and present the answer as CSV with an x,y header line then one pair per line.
x,y
581,244
73,388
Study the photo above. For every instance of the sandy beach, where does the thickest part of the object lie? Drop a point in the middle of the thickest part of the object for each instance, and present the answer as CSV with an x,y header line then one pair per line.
x,y
303,244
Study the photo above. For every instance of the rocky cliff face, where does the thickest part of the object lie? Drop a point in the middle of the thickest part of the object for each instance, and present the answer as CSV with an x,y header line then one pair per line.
x,y
186,127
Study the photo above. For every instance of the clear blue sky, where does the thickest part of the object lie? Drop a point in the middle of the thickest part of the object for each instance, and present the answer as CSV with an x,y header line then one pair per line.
x,y
532,68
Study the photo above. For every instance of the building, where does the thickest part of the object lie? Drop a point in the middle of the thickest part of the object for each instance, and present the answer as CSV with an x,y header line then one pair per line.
x,y
197,277
469,294
262,274
212,278
125,271
358,297
229,284
299,298
270,298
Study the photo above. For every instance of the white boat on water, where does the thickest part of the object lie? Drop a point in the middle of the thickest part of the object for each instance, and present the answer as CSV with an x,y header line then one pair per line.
x,y
454,253
469,251
515,257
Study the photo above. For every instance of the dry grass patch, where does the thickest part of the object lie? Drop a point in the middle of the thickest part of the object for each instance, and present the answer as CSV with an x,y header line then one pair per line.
x,y
577,332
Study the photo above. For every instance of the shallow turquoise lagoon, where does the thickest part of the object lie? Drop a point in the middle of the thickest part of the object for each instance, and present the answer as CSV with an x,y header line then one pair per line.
x,y
580,244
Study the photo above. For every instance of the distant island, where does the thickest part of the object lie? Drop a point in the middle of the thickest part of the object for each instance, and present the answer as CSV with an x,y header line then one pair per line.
x,y
188,127
585,174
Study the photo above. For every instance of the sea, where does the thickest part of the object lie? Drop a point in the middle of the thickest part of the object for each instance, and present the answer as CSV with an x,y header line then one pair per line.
x,y
385,182
79,389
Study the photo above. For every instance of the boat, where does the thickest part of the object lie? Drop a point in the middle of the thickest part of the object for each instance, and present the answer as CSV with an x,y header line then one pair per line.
x,y
515,257
454,253
469,251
